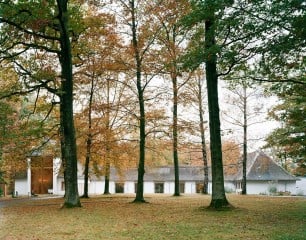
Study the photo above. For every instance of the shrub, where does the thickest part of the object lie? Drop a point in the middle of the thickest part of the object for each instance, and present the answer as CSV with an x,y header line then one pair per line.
x,y
272,190
228,190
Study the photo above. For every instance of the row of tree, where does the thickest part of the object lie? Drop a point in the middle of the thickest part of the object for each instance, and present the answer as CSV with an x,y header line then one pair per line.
x,y
105,58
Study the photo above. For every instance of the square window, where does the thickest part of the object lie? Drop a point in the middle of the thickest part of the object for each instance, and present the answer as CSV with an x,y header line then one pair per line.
x,y
159,187
135,186
119,187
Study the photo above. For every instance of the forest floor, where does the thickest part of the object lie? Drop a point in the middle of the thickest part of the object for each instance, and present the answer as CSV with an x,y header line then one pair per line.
x,y
164,217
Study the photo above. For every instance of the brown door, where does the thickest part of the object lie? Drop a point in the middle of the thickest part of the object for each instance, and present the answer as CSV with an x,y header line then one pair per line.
x,y
41,175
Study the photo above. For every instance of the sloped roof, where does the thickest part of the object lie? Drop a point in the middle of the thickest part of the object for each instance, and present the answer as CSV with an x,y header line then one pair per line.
x,y
162,174
262,167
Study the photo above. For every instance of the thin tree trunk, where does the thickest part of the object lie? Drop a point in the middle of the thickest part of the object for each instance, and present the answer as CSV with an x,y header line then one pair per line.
x,y
142,117
244,161
89,140
218,192
86,167
107,148
203,142
69,153
175,137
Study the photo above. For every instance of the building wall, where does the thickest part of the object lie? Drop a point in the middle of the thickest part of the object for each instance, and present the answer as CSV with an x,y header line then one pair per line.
x,y
301,186
229,187
96,187
190,187
129,187
21,186
169,187
287,186
149,187
262,187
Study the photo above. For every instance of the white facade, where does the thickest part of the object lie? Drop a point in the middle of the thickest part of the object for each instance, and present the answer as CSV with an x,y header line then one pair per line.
x,y
159,180
301,186
263,187
21,187
96,187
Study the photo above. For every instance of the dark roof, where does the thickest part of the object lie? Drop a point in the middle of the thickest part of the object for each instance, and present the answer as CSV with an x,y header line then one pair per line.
x,y
262,167
165,173
259,167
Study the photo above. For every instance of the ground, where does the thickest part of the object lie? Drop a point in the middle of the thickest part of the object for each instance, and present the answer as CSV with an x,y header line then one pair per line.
x,y
164,217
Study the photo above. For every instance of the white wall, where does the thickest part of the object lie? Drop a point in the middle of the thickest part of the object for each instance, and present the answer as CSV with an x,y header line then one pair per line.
x,y
229,186
254,187
129,187
96,187
190,187
262,187
284,186
301,186
21,186
57,186
149,187
168,187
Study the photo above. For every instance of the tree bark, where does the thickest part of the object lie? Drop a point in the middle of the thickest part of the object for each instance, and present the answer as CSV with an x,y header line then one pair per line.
x,y
86,167
108,142
218,192
142,118
244,161
175,136
68,148
89,141
203,142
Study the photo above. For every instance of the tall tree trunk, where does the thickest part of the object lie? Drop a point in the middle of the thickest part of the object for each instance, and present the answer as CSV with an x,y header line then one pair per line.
x,y
142,117
244,161
89,140
175,136
68,148
107,147
218,192
203,142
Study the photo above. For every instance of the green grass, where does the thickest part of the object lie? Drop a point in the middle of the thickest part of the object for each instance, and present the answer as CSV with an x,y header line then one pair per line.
x,y
164,217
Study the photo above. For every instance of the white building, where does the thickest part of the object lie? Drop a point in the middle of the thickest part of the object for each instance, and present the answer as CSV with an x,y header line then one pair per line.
x,y
264,176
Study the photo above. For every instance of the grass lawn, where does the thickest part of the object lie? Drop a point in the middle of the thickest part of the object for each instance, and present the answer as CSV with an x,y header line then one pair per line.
x,y
164,217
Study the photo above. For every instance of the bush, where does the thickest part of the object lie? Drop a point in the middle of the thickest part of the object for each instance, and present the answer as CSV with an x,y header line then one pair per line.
x,y
1,192
228,190
272,190
285,193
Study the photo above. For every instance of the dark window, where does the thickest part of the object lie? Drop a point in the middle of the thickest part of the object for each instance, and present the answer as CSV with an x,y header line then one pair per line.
x,y
63,186
182,187
135,185
159,187
119,187
199,187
